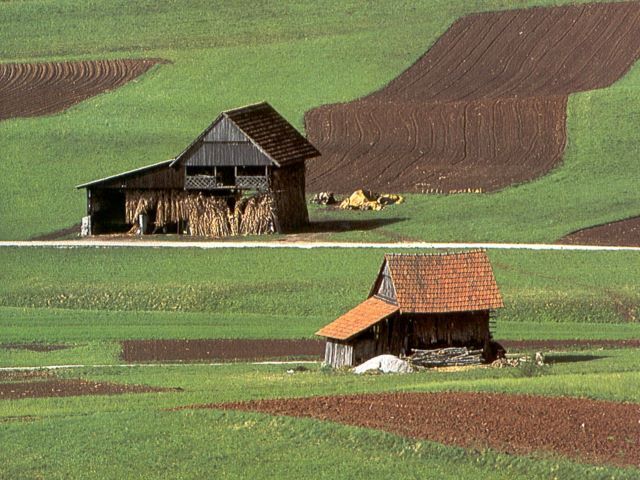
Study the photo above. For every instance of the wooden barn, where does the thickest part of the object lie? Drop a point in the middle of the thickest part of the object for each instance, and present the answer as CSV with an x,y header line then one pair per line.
x,y
244,174
418,302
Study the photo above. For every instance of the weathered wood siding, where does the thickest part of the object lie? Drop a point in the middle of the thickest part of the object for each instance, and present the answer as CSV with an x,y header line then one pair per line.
x,y
338,354
287,185
448,329
385,288
227,154
225,131
399,334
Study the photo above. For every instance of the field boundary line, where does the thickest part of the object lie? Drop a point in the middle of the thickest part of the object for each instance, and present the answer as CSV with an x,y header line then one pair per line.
x,y
123,365
64,244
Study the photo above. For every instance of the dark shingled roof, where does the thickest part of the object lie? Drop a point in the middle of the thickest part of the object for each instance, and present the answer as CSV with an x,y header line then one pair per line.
x,y
452,282
272,133
268,130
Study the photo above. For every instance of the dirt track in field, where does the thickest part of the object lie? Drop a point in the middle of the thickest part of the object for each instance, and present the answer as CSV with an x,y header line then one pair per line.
x,y
67,388
484,108
624,233
588,430
219,350
34,89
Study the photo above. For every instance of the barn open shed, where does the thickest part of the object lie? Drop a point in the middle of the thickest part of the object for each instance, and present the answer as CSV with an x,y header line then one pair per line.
x,y
423,301
243,175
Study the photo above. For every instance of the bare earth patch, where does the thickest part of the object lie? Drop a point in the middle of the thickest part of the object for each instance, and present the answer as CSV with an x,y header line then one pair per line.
x,y
624,233
219,350
68,388
34,347
34,89
484,108
587,430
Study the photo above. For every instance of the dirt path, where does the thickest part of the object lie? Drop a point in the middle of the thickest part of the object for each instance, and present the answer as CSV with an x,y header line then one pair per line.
x,y
483,109
587,430
212,244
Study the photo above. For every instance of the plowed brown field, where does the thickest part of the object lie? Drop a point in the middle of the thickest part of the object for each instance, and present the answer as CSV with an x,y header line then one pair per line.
x,y
33,89
219,349
589,430
484,108
625,233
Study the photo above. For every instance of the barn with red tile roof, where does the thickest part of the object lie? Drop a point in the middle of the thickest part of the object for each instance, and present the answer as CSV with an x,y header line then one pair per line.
x,y
418,301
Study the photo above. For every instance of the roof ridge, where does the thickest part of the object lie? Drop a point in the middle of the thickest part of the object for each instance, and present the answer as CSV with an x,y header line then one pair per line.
x,y
436,254
263,102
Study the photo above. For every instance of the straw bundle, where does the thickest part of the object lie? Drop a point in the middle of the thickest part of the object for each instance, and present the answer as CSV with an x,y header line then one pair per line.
x,y
207,215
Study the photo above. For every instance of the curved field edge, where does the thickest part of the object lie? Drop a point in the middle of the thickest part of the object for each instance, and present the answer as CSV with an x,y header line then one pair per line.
x,y
153,119
182,440
38,89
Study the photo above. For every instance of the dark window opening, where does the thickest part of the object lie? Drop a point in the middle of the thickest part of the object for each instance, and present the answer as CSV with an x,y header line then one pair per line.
x,y
200,170
252,171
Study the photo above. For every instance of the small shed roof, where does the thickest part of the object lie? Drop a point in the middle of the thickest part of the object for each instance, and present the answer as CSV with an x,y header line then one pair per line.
x,y
266,129
451,282
358,319
135,171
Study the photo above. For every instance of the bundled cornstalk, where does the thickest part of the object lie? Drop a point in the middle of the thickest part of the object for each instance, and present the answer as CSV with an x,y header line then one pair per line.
x,y
255,215
207,215
446,357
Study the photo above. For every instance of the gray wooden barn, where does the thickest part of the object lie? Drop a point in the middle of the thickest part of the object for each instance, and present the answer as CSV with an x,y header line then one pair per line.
x,y
206,189
418,302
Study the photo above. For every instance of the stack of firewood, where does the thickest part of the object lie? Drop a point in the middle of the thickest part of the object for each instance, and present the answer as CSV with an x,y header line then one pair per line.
x,y
446,357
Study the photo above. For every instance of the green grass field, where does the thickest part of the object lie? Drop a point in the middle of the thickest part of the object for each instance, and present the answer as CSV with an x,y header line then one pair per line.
x,y
134,436
91,298
296,55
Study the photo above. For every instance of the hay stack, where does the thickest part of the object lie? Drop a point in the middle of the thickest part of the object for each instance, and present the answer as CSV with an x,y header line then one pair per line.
x,y
207,215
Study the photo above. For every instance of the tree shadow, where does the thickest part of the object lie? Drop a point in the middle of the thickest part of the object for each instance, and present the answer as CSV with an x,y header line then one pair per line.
x,y
571,358
333,226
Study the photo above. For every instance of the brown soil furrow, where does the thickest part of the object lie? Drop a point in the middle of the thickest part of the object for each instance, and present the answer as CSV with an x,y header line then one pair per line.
x,y
28,90
587,430
490,96
459,143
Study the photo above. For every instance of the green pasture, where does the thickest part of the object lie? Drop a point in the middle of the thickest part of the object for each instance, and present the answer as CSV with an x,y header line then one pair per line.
x,y
296,55
136,436
92,298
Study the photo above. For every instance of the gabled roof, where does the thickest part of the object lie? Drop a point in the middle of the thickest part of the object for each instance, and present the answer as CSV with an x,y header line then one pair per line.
x,y
266,129
368,313
451,282
128,173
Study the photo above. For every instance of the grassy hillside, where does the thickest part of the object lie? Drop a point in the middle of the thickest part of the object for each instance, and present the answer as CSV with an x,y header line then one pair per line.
x,y
296,55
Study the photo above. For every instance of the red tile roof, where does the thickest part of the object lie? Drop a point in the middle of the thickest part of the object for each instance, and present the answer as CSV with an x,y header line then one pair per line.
x,y
368,313
451,282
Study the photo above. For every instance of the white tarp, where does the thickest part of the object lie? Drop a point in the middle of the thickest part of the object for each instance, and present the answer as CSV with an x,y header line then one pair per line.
x,y
384,364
